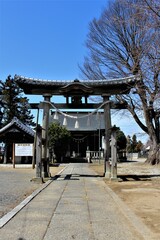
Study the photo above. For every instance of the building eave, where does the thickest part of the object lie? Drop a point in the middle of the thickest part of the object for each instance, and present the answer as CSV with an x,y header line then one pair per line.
x,y
40,87
16,122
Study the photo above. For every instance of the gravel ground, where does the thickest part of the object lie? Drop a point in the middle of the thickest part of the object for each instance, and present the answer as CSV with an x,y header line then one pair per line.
x,y
16,185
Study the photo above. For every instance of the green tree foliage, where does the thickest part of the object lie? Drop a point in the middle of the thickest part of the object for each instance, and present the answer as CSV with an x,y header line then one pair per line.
x,y
129,145
121,140
124,41
14,104
1,103
133,145
59,138
121,144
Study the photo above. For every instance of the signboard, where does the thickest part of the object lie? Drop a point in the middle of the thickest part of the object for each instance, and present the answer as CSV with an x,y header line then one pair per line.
x,y
23,149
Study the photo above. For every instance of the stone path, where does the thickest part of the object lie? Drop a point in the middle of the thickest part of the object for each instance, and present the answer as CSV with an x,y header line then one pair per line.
x,y
76,205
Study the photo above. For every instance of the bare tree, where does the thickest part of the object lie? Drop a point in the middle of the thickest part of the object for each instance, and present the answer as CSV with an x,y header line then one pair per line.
x,y
125,41
153,6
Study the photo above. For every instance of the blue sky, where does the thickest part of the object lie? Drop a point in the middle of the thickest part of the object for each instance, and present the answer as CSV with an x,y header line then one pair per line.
x,y
45,39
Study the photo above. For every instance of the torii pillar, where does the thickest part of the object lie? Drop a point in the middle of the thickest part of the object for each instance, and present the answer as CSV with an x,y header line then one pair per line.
x,y
45,155
107,121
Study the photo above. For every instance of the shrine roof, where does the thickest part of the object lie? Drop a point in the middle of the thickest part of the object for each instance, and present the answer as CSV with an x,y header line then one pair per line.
x,y
55,87
16,122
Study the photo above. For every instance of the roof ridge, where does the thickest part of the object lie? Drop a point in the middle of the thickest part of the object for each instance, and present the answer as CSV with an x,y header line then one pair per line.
x,y
19,124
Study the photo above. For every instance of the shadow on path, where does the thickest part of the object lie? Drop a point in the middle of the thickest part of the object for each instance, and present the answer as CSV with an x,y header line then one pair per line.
x,y
74,176
134,177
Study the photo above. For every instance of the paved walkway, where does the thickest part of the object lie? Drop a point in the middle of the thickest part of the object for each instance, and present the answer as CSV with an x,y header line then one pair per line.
x,y
76,205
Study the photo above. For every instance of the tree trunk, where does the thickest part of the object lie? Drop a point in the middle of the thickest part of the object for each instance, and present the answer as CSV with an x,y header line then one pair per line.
x,y
154,154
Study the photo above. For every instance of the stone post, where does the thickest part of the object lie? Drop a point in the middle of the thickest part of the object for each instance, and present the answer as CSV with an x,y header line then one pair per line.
x,y
45,157
35,142
107,121
113,154
38,152
5,153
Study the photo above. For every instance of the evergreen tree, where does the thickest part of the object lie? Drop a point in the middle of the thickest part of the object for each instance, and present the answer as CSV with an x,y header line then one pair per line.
x,y
133,145
121,140
14,103
129,144
58,139
1,102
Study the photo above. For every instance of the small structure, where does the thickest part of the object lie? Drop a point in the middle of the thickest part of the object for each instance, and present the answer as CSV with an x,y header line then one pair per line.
x,y
16,132
87,138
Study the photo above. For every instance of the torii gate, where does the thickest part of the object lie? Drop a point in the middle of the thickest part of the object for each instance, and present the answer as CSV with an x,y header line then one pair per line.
x,y
74,91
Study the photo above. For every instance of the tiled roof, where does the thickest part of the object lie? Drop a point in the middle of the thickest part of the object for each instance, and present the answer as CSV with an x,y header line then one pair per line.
x,y
18,123
76,87
34,81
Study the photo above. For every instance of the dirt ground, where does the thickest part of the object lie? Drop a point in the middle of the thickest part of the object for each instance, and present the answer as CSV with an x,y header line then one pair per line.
x,y
139,188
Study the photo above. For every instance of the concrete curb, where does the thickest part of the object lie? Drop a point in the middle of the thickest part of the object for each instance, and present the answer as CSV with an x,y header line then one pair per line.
x,y
6,218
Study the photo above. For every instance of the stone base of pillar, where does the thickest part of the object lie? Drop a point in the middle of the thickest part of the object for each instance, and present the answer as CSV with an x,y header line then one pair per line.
x,y
5,161
46,174
114,171
114,179
37,180
107,173
45,169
